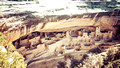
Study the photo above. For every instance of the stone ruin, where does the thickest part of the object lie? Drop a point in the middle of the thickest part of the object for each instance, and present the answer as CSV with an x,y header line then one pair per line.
x,y
74,39
59,35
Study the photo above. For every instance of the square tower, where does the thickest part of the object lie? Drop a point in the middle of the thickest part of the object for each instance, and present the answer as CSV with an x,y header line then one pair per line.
x,y
97,31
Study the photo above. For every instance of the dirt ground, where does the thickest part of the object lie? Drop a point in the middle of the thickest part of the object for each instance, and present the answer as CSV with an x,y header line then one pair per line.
x,y
48,60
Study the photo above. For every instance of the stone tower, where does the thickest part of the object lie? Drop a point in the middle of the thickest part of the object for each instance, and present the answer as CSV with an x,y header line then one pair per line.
x,y
97,33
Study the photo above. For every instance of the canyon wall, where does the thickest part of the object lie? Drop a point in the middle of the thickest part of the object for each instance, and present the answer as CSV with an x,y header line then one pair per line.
x,y
15,26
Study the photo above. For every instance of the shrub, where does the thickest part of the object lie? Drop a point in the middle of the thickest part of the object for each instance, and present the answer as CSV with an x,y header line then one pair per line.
x,y
92,61
113,58
2,38
109,59
9,58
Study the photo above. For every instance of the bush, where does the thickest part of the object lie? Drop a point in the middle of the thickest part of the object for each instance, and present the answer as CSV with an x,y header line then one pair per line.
x,y
109,59
92,61
2,38
9,58
113,58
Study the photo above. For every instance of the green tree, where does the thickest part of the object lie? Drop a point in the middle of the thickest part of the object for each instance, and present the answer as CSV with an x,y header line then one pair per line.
x,y
9,57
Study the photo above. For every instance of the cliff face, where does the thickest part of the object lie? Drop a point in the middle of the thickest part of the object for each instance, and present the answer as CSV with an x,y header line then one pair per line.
x,y
17,25
40,37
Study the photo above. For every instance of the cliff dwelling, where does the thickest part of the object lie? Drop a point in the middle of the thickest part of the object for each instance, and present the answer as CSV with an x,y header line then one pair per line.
x,y
57,37
44,39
